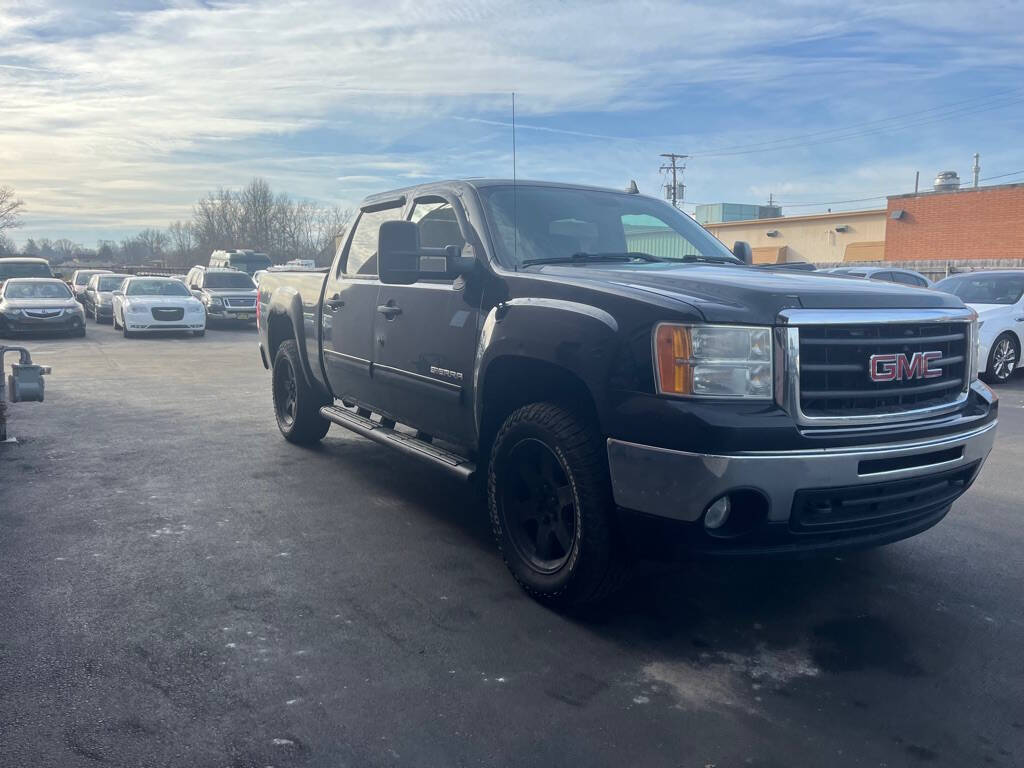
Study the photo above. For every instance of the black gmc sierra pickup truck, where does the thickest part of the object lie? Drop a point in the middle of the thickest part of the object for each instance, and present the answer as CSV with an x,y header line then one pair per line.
x,y
603,364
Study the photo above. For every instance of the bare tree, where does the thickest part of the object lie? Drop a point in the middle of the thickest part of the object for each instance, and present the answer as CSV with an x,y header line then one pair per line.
x,y
182,244
153,240
7,246
10,209
65,249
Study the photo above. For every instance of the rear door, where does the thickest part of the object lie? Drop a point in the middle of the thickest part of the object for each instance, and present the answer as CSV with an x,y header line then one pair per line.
x,y
426,336
349,307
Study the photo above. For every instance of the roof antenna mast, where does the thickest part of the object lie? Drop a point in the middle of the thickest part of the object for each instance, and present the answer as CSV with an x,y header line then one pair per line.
x,y
515,191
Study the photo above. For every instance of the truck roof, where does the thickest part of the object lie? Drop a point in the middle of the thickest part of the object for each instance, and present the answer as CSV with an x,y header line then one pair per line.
x,y
473,183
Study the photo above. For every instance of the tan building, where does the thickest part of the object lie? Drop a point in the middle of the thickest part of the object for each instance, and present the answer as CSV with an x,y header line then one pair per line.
x,y
819,237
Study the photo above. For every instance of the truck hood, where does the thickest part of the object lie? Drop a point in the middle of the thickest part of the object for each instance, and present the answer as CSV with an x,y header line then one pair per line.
x,y
738,294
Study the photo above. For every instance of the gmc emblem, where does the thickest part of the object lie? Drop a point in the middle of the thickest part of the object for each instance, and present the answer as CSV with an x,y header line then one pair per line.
x,y
897,366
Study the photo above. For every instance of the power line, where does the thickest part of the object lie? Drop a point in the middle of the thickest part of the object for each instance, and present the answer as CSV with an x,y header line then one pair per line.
x,y
873,132
859,126
1002,175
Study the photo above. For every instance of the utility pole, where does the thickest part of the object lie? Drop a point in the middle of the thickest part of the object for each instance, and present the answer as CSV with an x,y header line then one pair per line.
x,y
771,199
977,168
677,164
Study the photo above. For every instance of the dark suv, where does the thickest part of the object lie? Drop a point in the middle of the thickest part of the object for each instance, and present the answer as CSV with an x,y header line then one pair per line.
x,y
227,294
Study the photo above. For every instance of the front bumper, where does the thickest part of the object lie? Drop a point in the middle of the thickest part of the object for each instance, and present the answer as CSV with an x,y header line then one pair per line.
x,y
795,492
246,315
63,323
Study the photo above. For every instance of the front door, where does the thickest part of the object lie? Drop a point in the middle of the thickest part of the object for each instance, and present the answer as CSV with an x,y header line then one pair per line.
x,y
425,338
349,307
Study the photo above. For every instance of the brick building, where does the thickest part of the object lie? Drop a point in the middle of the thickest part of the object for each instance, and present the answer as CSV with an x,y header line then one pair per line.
x,y
968,223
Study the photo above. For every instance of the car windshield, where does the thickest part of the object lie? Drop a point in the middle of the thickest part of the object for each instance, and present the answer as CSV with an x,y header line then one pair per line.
x,y
157,287
109,283
532,224
17,289
228,281
984,289
83,277
11,269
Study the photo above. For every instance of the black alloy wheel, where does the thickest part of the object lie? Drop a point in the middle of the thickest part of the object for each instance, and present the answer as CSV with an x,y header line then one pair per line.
x,y
539,505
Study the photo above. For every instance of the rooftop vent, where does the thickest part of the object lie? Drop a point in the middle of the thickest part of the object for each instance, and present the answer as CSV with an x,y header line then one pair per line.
x,y
946,181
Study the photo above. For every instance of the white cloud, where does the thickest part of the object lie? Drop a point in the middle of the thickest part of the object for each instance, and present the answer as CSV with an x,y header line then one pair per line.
x,y
134,110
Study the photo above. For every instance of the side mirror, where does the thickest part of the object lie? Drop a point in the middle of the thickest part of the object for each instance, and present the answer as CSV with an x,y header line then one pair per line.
x,y
741,250
196,293
401,260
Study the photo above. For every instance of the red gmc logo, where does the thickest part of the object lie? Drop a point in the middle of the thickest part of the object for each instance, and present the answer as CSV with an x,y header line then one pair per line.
x,y
897,366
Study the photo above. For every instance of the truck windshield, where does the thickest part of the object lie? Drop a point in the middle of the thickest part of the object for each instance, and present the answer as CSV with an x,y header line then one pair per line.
x,y
538,224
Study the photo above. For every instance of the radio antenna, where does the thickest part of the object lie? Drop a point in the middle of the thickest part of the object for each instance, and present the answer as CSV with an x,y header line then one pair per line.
x,y
515,190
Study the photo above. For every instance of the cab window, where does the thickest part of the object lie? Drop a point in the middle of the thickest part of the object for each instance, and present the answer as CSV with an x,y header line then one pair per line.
x,y
437,224
362,250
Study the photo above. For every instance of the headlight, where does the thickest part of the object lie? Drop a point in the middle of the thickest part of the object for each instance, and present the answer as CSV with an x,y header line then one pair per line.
x,y
713,360
193,308
216,301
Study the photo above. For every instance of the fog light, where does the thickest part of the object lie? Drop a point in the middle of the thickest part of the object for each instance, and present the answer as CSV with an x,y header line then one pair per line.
x,y
717,513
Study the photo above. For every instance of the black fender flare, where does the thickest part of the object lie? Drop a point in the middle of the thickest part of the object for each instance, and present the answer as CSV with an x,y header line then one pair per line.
x,y
583,344
287,301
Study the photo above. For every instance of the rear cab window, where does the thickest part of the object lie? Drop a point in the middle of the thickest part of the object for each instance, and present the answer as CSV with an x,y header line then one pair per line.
x,y
361,259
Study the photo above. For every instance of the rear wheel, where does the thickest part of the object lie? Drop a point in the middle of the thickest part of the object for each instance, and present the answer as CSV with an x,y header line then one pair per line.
x,y
1002,359
296,404
551,506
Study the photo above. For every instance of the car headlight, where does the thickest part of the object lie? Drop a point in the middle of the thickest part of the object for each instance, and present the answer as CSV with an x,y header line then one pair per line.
x,y
216,301
713,360
194,308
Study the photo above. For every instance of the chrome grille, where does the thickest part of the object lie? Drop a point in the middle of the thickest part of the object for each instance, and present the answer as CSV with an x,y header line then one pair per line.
x,y
247,303
835,360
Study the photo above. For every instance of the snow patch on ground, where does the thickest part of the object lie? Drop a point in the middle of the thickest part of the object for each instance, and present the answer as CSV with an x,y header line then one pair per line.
x,y
727,679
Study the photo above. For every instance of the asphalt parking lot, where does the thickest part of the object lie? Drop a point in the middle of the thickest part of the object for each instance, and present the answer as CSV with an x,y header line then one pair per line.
x,y
180,586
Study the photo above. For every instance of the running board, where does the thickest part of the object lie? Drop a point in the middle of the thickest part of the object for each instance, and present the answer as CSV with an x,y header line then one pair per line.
x,y
410,445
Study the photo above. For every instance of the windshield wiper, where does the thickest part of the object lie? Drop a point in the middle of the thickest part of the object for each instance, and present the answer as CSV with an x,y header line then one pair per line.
x,y
584,258
707,259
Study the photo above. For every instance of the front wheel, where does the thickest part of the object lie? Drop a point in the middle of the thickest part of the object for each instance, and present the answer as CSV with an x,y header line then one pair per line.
x,y
1002,359
551,506
296,404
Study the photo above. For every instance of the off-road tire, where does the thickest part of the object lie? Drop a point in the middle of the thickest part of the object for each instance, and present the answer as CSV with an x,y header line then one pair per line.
x,y
990,376
300,421
596,563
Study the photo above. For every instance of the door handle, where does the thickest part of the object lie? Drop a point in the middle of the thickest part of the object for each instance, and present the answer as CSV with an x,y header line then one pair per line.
x,y
335,302
389,310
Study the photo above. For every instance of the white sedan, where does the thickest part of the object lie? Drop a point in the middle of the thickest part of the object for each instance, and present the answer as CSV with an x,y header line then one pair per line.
x,y
156,304
998,298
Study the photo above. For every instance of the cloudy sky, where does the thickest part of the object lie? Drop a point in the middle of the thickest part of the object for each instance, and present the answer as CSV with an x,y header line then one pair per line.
x,y
118,114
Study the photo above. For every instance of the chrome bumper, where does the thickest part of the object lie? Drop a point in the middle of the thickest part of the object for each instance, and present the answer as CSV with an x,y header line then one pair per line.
x,y
680,485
